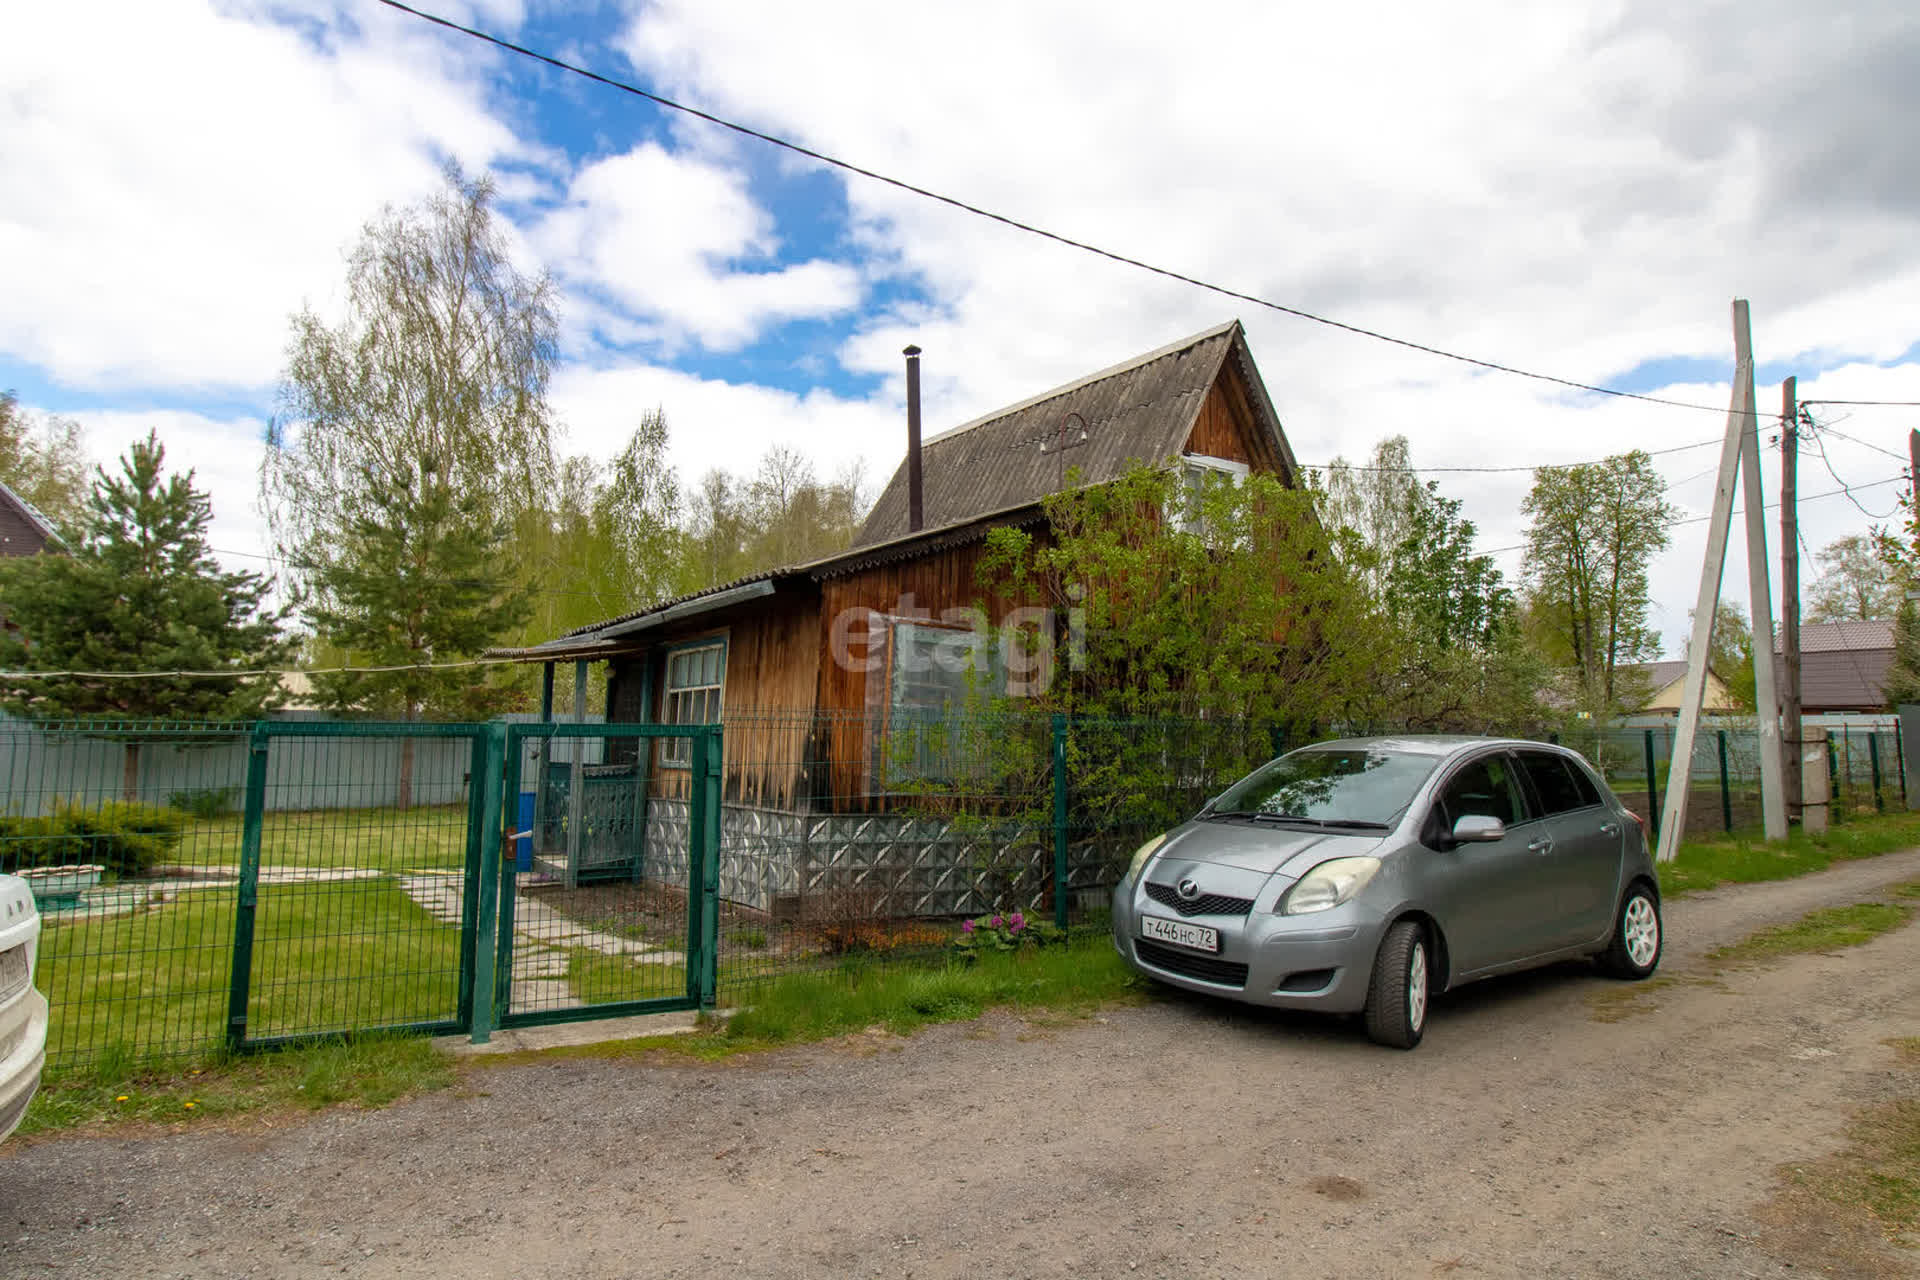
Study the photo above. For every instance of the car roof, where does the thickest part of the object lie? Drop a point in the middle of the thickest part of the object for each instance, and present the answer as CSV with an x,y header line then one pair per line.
x,y
1426,744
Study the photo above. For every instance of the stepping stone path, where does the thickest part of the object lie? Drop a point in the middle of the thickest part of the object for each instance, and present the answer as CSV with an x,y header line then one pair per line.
x,y
542,938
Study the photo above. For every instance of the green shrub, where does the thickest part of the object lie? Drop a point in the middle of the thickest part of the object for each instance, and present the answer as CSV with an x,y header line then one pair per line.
x,y
124,837
205,802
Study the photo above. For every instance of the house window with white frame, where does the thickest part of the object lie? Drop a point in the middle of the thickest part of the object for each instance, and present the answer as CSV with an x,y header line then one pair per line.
x,y
1197,470
690,693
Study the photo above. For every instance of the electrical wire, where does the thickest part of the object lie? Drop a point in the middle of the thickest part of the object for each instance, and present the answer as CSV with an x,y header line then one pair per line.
x,y
1826,461
1771,506
1883,404
1031,229
245,675
1865,444
1651,453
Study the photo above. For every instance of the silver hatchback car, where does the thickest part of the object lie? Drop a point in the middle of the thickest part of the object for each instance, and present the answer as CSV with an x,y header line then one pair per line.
x,y
1365,875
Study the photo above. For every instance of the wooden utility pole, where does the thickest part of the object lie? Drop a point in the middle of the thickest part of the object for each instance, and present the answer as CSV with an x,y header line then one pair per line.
x,y
1913,466
1789,597
1740,446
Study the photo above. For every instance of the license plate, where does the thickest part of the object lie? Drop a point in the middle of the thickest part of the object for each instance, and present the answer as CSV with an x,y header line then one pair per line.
x,y
1181,934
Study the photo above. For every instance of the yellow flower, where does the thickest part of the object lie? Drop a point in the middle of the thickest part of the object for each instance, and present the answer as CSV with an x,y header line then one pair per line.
x,y
190,1106
121,1098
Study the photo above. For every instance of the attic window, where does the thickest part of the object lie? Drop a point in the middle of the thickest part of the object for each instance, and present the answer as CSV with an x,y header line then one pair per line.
x,y
1197,471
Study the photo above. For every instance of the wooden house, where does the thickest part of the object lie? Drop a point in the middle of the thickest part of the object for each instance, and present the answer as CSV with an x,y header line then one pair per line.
x,y
811,667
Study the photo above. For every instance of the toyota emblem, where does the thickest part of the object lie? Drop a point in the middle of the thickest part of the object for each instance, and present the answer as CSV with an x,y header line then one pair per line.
x,y
1188,889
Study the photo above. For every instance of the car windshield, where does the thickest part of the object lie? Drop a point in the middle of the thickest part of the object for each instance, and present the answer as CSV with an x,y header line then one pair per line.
x,y
1340,786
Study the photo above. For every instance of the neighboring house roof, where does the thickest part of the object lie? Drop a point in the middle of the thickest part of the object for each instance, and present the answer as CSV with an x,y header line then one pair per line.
x,y
1141,411
1843,665
23,530
1840,637
1666,685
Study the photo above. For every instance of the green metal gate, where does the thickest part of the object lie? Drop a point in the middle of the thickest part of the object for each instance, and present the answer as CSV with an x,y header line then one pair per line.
x,y
605,907
359,903
393,888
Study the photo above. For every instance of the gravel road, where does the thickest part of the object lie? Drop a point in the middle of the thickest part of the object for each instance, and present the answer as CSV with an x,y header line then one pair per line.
x,y
1180,1138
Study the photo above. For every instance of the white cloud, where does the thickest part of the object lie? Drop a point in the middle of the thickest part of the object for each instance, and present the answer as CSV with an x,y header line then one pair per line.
x,y
1574,188
177,191
727,425
677,244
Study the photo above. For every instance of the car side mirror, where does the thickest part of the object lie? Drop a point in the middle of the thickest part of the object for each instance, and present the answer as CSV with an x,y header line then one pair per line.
x,y
1478,828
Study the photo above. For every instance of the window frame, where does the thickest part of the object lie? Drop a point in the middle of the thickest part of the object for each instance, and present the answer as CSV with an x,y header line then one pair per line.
x,y
1188,518
896,718
1538,800
675,752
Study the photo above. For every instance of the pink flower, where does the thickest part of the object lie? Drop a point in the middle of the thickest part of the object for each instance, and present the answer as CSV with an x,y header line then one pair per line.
x,y
1016,922
997,922
966,926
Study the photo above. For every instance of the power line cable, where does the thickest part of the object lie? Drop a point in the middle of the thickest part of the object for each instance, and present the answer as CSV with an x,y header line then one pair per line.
x,y
1882,404
1538,466
1865,444
1771,506
1827,462
1030,228
249,674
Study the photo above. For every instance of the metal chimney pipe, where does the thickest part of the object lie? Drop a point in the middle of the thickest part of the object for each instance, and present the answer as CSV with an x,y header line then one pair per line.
x,y
915,509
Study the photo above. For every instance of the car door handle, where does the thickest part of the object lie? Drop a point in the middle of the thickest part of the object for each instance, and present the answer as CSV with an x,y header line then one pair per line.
x,y
1543,845
1609,828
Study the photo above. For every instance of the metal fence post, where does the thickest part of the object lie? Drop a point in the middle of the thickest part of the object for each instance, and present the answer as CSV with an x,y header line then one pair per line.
x,y
703,961
1834,807
1060,820
1653,789
1873,759
247,902
1726,797
1279,736
479,953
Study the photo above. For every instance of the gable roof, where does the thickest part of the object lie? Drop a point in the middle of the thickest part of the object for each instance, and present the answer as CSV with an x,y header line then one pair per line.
x,y
1139,411
23,530
1851,636
1843,665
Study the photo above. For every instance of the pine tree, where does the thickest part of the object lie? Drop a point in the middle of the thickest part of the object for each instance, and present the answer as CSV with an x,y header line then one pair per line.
x,y
141,592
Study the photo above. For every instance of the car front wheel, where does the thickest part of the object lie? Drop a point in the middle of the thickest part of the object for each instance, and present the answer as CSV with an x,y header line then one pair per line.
x,y
1634,952
1402,980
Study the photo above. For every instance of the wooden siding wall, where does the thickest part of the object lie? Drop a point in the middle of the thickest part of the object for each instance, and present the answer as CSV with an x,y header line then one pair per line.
x,y
772,670
1226,426
849,697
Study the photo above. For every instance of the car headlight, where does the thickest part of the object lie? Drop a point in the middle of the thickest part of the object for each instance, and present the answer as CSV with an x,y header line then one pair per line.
x,y
1140,857
1328,885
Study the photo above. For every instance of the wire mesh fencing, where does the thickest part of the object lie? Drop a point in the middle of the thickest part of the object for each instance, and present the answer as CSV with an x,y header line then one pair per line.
x,y
207,885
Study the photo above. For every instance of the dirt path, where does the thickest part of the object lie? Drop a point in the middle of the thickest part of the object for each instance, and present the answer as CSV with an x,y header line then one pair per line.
x,y
1180,1139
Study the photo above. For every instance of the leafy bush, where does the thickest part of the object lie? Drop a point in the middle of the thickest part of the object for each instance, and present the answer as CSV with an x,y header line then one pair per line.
x,y
124,837
205,802
1004,932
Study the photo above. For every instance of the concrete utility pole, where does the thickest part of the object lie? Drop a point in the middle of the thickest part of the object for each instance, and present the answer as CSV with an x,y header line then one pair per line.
x,y
1791,787
1741,444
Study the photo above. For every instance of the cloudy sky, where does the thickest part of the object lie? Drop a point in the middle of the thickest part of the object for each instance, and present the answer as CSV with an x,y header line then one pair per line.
x,y
1578,188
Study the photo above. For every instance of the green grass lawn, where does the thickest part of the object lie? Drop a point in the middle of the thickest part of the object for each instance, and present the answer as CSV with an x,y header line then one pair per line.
x,y
326,957
385,839
1746,858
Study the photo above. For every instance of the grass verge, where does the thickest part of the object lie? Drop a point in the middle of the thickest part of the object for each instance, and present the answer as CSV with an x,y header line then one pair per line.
x,y
366,1071
1827,929
1746,858
1833,1214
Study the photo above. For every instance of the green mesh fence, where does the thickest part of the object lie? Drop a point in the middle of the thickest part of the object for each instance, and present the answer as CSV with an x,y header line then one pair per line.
x,y
250,883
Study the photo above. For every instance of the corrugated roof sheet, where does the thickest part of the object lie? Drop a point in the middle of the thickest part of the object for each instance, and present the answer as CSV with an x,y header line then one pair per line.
x,y
1140,411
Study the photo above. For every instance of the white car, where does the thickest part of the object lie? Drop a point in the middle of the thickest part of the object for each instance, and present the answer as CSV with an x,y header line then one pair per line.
x,y
23,1010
